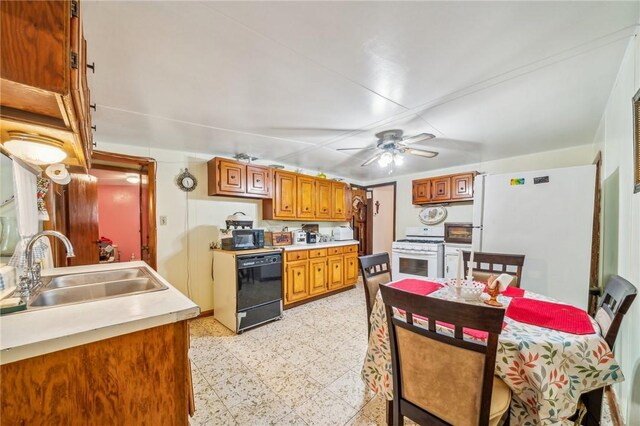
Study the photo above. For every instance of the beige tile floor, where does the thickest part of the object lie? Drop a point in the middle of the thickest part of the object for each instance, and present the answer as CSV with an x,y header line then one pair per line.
x,y
301,370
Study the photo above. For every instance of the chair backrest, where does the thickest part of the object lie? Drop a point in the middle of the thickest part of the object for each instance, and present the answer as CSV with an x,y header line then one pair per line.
x,y
443,377
616,300
498,263
376,270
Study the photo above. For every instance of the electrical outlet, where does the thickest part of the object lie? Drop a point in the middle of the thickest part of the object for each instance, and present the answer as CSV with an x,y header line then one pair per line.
x,y
163,220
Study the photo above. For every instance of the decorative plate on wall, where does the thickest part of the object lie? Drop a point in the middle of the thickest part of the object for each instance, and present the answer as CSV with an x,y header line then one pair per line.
x,y
432,215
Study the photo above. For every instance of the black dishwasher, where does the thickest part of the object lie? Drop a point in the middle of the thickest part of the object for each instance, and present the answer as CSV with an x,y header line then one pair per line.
x,y
259,289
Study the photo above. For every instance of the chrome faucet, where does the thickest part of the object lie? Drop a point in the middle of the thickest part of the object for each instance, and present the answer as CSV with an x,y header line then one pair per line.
x,y
30,280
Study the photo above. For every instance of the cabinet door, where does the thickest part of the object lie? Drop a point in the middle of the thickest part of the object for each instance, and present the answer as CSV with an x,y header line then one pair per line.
x,y
284,197
231,176
462,186
306,197
259,181
441,189
348,195
338,198
350,268
323,199
317,275
451,265
335,271
297,287
421,191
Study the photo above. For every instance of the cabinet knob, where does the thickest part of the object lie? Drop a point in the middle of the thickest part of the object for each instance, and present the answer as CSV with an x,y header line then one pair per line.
x,y
319,270
307,208
286,207
298,273
336,266
258,180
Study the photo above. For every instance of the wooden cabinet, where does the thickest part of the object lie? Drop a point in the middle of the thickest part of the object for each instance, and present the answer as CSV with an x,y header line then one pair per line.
x,y
350,268
237,179
284,197
443,189
297,284
317,276
323,200
43,75
314,272
306,197
91,384
339,198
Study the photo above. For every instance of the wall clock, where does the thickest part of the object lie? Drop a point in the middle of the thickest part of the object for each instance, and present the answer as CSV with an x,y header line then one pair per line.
x,y
186,181
432,215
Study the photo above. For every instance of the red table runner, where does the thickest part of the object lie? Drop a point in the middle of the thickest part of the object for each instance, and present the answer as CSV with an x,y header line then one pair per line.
x,y
555,316
421,287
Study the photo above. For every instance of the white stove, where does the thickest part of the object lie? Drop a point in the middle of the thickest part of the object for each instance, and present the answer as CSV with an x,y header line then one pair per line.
x,y
420,254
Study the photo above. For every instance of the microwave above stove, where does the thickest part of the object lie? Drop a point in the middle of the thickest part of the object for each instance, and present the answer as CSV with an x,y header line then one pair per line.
x,y
242,239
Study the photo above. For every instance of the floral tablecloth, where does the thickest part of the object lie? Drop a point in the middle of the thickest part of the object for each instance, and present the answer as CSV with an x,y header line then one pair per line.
x,y
547,370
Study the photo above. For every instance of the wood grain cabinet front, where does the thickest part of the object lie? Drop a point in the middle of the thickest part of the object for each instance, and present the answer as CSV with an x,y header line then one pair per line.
x,y
317,276
258,181
462,186
232,176
339,199
350,268
324,208
443,189
236,179
43,69
306,197
297,285
335,270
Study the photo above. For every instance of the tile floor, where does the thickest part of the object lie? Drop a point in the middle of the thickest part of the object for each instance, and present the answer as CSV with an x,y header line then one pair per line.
x,y
301,370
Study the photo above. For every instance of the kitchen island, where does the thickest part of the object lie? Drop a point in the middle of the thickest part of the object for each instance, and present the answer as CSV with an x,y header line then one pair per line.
x,y
108,361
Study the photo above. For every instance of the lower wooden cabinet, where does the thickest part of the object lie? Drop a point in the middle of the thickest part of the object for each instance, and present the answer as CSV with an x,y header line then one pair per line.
x,y
313,272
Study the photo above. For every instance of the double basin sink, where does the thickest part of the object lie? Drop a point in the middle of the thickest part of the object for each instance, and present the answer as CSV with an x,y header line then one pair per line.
x,y
91,286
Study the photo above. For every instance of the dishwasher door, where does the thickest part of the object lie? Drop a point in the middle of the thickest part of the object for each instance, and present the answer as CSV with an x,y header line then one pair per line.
x,y
259,280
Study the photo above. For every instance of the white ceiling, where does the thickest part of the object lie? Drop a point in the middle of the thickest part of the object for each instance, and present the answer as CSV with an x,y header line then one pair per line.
x,y
489,79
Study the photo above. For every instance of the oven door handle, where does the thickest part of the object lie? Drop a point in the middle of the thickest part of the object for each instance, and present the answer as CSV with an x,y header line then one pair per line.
x,y
419,253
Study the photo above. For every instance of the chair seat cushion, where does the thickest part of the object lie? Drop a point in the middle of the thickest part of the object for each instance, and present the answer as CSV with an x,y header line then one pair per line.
x,y
500,400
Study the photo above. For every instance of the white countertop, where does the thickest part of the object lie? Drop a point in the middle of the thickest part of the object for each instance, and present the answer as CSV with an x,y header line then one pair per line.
x,y
31,333
320,245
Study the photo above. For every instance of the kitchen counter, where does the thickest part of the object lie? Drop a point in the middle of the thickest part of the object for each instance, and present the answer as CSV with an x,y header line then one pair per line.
x,y
319,245
31,333
267,249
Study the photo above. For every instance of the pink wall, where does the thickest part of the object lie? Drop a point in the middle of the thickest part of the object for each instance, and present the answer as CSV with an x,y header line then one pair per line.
x,y
119,217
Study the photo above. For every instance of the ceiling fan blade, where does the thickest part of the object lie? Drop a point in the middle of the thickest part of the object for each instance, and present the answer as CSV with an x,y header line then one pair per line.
x,y
420,152
371,160
418,138
367,148
314,129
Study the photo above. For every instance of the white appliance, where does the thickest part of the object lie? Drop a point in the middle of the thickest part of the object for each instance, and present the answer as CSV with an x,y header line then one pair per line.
x,y
547,216
419,255
299,237
451,251
342,233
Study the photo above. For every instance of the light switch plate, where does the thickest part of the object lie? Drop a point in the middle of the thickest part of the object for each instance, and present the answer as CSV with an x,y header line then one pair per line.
x,y
163,220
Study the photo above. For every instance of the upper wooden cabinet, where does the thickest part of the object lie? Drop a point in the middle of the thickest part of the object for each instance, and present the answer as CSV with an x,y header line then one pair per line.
x,y
284,197
306,197
323,197
443,189
43,75
233,178
339,198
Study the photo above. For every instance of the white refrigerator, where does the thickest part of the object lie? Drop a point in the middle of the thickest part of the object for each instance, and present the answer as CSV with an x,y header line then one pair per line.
x,y
546,215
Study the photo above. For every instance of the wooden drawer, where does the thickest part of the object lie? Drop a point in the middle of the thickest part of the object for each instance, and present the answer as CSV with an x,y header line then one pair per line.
x,y
334,250
350,249
317,253
297,255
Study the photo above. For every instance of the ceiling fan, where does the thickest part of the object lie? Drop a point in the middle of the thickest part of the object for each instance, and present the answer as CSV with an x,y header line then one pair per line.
x,y
391,146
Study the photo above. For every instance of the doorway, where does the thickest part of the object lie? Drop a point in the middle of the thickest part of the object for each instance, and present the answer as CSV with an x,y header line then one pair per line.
x,y
107,213
381,212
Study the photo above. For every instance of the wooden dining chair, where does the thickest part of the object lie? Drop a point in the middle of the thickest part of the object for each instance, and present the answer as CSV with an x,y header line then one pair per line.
x,y
440,379
376,270
618,296
498,263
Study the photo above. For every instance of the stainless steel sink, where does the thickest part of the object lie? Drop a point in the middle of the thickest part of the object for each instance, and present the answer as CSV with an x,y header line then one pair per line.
x,y
93,278
82,288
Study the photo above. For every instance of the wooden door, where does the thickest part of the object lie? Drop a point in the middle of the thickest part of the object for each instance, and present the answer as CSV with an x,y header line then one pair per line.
x,y
297,287
317,275
350,268
421,191
323,199
462,186
338,198
336,268
441,189
231,176
306,197
284,196
82,225
258,180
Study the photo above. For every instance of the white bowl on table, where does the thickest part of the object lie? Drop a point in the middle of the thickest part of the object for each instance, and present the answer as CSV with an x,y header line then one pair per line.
x,y
467,290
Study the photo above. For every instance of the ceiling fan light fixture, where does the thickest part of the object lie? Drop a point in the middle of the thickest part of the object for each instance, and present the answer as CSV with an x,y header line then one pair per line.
x,y
398,159
35,149
385,159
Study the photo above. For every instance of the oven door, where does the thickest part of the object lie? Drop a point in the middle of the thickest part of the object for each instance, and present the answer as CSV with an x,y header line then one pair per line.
x,y
408,264
259,284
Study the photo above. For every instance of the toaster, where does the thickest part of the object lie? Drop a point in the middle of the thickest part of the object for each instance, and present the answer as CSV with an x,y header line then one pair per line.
x,y
342,233
299,237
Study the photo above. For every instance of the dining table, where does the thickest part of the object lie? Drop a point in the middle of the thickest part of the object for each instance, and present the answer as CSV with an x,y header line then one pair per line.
x,y
546,369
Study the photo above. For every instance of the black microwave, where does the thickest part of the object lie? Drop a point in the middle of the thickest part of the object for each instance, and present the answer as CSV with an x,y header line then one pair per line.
x,y
243,239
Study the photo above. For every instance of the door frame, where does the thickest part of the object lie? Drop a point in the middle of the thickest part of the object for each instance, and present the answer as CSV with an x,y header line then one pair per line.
x,y
370,212
140,163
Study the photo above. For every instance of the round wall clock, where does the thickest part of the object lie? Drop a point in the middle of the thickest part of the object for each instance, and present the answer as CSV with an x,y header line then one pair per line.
x,y
432,215
186,181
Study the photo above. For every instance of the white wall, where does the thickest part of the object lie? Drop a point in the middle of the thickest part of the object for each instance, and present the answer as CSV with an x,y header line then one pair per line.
x,y
383,219
407,214
193,220
621,221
